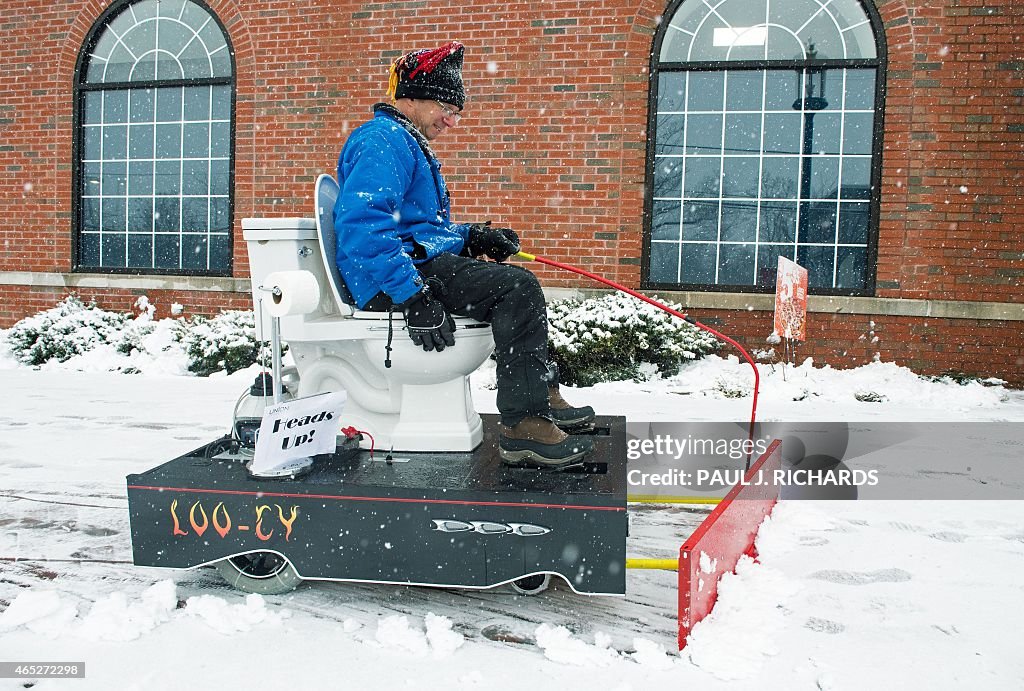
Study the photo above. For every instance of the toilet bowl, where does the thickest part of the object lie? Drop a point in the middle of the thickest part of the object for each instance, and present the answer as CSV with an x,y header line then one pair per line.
x,y
422,401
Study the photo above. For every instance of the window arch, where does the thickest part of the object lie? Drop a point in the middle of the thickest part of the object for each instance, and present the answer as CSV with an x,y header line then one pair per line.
x,y
765,124
154,117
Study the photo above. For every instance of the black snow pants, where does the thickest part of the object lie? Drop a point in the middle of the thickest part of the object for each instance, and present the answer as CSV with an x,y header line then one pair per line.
x,y
509,297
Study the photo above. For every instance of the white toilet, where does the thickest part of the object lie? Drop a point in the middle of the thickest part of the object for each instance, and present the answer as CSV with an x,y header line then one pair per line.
x,y
422,402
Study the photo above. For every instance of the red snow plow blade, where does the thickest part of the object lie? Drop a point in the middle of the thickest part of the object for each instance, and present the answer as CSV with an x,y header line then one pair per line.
x,y
725,535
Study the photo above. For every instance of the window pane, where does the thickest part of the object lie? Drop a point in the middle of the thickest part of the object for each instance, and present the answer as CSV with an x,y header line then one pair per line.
x,y
113,214
115,178
197,103
220,177
670,134
778,222
782,133
853,224
219,217
194,177
193,251
92,141
221,103
113,250
220,252
167,250
852,270
140,177
857,134
739,221
664,262
700,220
817,222
168,177
665,222
671,91
744,90
93,108
703,176
220,139
740,176
168,105
90,214
705,91
698,263
860,90
668,177
823,172
818,261
89,249
743,133
195,214
142,101
115,106
91,179
827,126
166,214
736,265
780,90
140,251
140,214
856,176
196,140
780,177
168,141
140,138
703,134
115,142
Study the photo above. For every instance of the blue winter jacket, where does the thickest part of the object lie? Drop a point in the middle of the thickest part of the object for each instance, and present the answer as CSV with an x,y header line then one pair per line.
x,y
393,210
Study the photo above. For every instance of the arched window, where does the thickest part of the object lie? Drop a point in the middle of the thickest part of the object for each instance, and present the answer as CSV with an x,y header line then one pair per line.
x,y
765,142
153,141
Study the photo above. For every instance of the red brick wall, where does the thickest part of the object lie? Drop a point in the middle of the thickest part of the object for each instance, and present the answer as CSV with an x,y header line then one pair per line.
x,y
554,141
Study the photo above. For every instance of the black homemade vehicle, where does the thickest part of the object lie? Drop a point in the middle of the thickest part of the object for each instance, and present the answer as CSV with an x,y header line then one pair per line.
x,y
459,520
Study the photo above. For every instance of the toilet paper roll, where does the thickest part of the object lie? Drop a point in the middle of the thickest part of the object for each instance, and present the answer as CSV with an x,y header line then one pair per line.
x,y
290,292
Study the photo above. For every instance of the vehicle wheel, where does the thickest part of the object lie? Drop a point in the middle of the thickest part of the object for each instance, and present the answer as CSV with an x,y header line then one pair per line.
x,y
265,573
532,585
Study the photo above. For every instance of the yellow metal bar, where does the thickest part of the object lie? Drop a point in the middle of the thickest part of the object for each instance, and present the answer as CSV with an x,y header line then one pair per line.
x,y
656,499
527,256
663,564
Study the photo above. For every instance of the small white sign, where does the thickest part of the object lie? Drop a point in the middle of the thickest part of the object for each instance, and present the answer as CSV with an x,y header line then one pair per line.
x,y
297,429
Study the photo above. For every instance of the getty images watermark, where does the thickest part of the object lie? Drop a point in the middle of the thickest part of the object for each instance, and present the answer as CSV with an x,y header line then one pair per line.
x,y
828,460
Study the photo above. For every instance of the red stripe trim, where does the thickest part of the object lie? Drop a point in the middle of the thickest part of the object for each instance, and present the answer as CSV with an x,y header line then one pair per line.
x,y
399,500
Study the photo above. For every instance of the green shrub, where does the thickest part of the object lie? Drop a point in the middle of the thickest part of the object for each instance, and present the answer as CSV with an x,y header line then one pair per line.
x,y
71,328
225,343
610,338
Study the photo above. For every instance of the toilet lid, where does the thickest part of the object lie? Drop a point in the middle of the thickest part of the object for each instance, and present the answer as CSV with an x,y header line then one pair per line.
x,y
463,322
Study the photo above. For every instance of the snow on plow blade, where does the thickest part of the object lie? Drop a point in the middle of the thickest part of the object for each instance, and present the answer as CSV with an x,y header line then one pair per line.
x,y
726,534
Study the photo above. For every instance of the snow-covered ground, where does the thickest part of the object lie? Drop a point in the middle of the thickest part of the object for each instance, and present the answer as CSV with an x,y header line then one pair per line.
x,y
846,595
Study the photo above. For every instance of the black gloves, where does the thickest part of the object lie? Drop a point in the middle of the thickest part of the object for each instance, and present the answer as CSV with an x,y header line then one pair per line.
x,y
497,243
428,321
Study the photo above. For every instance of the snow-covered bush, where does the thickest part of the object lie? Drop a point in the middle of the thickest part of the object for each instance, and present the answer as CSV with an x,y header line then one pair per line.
x,y
609,338
71,328
226,342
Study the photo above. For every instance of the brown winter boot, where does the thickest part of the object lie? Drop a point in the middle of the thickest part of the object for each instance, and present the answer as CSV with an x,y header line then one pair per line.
x,y
536,442
567,417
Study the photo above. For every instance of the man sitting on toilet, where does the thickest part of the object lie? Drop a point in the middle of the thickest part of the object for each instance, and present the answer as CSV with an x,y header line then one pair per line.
x,y
398,247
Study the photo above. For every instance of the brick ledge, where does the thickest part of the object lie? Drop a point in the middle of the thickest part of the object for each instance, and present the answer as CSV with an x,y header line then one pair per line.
x,y
940,309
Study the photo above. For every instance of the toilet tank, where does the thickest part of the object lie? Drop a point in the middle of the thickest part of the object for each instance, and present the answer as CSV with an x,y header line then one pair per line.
x,y
287,244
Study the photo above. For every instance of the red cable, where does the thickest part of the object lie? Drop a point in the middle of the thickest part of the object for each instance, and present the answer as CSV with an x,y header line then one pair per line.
x,y
674,313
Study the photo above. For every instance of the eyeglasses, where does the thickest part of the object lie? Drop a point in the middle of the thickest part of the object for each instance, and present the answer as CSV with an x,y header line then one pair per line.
x,y
449,112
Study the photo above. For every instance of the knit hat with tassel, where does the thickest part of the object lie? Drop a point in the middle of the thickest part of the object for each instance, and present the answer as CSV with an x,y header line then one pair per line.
x,y
435,75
